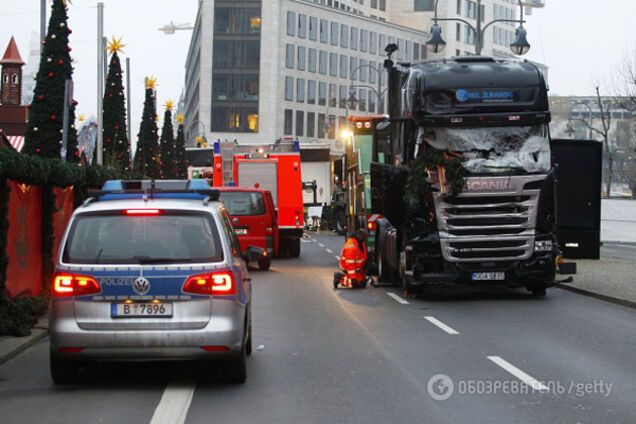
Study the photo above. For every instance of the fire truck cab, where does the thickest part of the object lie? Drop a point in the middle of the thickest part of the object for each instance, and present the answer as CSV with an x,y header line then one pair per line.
x,y
275,168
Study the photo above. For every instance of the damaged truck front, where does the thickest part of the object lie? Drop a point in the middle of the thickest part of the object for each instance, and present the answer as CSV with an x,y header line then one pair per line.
x,y
462,175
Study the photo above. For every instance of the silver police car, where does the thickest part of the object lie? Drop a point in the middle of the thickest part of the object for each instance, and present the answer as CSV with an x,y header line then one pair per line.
x,y
151,270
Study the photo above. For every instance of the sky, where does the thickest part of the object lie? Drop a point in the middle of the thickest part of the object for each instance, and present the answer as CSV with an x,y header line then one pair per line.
x,y
580,40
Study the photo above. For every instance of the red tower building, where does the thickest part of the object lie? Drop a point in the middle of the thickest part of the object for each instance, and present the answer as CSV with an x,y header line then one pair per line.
x,y
13,115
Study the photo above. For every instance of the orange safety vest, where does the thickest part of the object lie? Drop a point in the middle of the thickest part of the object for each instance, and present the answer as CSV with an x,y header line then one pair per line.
x,y
353,259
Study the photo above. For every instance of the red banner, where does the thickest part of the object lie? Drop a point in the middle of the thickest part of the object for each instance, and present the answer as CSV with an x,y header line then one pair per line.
x,y
64,203
24,241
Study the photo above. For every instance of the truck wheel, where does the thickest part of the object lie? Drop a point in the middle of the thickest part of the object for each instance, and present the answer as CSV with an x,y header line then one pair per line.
x,y
264,263
538,292
63,371
384,273
294,248
339,222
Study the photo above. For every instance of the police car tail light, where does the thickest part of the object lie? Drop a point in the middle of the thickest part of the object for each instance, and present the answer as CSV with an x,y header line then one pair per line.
x,y
74,285
220,283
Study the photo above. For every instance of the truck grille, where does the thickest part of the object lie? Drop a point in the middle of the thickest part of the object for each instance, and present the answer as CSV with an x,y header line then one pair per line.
x,y
489,226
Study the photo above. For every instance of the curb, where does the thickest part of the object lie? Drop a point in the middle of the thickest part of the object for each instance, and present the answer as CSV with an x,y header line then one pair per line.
x,y
610,299
37,335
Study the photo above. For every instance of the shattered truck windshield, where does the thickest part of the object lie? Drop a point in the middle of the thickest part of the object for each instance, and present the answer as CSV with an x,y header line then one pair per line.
x,y
495,149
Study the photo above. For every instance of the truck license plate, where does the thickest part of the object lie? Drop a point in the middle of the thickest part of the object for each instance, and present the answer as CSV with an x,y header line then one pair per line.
x,y
241,232
488,276
141,310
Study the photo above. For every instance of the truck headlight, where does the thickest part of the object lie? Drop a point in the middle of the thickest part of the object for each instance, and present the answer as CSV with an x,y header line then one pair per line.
x,y
543,246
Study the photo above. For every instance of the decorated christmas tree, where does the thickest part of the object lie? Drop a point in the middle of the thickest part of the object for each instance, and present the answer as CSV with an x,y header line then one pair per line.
x,y
116,144
44,133
167,145
147,155
180,150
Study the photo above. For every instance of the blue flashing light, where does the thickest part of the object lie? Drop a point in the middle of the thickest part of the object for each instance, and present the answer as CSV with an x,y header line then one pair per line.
x,y
198,185
217,147
113,185
297,146
232,184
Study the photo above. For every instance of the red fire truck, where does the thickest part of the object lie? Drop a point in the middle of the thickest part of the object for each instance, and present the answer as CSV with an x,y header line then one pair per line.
x,y
275,168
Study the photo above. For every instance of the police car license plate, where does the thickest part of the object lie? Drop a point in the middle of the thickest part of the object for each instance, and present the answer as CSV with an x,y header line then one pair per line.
x,y
488,276
241,232
141,310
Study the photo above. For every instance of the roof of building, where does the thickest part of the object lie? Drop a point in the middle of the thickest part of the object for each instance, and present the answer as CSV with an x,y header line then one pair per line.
x,y
12,54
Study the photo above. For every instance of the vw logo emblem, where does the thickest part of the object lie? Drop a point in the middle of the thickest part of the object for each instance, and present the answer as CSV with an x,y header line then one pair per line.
x,y
141,286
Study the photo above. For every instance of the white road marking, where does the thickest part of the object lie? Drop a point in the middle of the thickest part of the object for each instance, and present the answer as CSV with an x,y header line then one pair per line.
x,y
329,251
529,380
398,298
313,241
321,245
305,241
174,404
441,325
336,256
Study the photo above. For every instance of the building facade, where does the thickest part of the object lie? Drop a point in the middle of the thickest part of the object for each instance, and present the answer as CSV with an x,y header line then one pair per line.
x,y
258,70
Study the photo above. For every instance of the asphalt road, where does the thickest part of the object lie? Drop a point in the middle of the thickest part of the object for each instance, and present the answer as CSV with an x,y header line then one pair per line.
x,y
368,356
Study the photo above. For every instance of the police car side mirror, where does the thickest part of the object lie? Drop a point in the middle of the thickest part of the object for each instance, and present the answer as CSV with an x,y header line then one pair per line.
x,y
254,254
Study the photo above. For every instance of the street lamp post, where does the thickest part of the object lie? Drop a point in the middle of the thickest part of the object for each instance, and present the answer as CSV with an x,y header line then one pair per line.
x,y
379,92
519,46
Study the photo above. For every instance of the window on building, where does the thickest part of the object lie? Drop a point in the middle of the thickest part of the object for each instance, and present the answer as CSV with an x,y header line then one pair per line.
x,y
289,56
333,64
291,23
381,44
424,5
322,133
354,38
374,4
302,26
289,89
373,42
324,31
364,40
333,95
312,60
322,94
383,5
300,90
302,57
344,36
372,101
232,87
300,123
311,124
363,71
237,20
458,32
373,74
322,62
334,33
416,51
332,127
289,122
311,92
342,96
344,66
362,100
313,28
234,119
353,72
459,7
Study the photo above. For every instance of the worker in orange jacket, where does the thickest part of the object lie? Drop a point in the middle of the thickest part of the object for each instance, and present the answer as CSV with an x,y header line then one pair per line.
x,y
353,261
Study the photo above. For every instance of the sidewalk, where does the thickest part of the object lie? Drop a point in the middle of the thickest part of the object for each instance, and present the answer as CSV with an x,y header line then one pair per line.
x,y
609,279
12,346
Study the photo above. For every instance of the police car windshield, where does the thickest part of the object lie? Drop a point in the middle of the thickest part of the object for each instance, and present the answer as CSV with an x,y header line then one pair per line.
x,y
165,238
495,149
243,203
